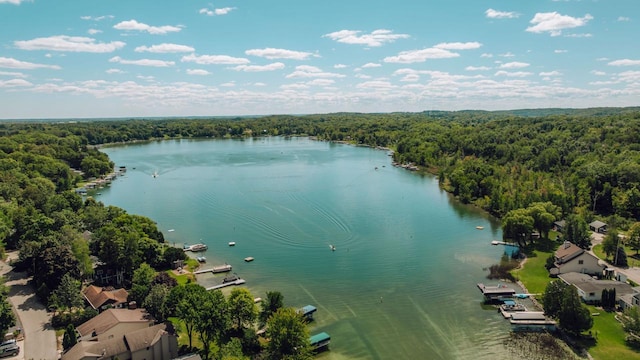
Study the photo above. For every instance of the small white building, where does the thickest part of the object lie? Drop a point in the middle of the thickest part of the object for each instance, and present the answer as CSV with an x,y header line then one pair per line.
x,y
572,258
590,288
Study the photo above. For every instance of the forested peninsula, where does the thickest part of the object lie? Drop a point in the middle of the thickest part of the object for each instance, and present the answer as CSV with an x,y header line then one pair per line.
x,y
586,163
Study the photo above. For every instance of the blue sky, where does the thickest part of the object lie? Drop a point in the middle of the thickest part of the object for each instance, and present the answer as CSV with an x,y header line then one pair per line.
x,y
136,58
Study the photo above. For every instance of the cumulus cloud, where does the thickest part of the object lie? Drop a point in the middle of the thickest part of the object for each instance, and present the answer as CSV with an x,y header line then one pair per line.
x,y
97,18
133,25
14,2
559,51
373,39
214,59
477,68
554,23
258,68
495,14
12,74
14,83
216,12
624,18
165,48
12,63
93,31
307,71
321,82
370,65
624,62
376,84
513,74
200,72
413,56
271,53
69,44
459,46
339,66
551,73
142,62
598,73
514,65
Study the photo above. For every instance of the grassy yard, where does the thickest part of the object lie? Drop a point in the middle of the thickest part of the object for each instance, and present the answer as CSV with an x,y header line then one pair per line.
x,y
609,344
632,259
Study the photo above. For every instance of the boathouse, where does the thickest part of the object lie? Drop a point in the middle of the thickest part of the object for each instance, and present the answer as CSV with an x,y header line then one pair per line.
x,y
319,341
307,311
531,321
496,292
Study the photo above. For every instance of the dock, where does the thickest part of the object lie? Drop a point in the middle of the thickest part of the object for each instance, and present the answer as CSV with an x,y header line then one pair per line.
x,y
531,321
215,269
307,311
319,341
509,307
496,242
496,292
225,284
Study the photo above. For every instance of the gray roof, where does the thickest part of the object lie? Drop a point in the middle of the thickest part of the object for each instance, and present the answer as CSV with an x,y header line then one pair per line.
x,y
588,284
597,224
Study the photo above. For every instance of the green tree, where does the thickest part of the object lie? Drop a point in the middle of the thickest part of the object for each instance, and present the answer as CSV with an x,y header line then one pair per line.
x,y
213,320
610,243
631,320
634,237
270,305
141,283
7,319
577,231
242,308
67,295
70,338
288,336
517,225
573,316
552,297
185,300
155,302
543,214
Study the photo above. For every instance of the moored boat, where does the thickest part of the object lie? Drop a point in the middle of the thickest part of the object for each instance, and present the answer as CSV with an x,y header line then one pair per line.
x,y
249,259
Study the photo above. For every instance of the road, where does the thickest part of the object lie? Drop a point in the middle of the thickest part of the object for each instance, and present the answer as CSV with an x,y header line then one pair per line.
x,y
632,273
39,337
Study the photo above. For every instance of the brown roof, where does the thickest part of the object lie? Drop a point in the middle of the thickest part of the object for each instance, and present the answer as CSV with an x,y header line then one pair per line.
x,y
97,296
144,338
567,251
110,318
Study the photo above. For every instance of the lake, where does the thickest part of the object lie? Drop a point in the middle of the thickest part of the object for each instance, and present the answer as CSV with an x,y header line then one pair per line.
x,y
401,283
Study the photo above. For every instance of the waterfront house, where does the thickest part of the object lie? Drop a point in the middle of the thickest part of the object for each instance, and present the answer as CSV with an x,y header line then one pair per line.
x,y
112,323
630,300
158,342
559,225
102,298
590,288
571,258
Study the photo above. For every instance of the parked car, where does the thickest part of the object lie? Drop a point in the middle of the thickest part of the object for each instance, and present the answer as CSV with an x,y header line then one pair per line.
x,y
11,349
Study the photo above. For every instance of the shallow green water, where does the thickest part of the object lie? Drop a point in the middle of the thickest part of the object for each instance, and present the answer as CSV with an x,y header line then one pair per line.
x,y
402,281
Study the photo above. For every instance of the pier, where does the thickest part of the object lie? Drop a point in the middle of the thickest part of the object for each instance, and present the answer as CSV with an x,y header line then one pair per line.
x,y
215,269
225,284
496,292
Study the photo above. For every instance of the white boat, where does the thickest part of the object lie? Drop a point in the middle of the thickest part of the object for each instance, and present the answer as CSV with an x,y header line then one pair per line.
x,y
171,230
232,243
155,174
198,247
333,248
201,259
248,259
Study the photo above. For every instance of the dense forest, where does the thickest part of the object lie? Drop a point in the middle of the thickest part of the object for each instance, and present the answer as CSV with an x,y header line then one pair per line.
x,y
582,163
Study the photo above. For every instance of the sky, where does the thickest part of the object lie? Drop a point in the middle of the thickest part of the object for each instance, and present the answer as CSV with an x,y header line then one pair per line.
x,y
155,58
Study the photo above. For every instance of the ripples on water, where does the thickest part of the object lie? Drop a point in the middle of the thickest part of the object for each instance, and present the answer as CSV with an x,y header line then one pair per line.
x,y
402,281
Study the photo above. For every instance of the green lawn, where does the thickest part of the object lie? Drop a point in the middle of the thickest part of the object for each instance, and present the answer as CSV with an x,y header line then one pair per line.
x,y
630,260
610,344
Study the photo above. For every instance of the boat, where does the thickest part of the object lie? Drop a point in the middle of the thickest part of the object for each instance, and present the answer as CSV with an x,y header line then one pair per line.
x,y
333,248
319,341
232,243
198,247
201,259
495,242
479,227
249,259
171,230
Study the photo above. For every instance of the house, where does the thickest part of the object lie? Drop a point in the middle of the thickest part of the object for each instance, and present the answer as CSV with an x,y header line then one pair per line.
x,y
111,323
630,300
158,342
571,258
598,226
559,225
590,289
102,298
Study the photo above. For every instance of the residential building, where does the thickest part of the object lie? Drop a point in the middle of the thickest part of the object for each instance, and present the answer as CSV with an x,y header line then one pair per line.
x,y
102,298
571,258
112,323
590,288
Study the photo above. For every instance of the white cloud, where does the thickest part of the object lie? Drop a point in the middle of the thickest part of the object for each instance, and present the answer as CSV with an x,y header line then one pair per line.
x,y
142,62
558,51
362,76
370,65
624,18
410,78
229,84
258,68
321,82
514,65
11,63
296,86
216,12
477,68
114,71
554,23
97,18
513,74
132,25
308,71
374,39
14,83
508,54
214,59
459,46
12,74
579,35
495,14
271,53
93,31
598,73
486,55
339,66
624,62
551,73
413,56
165,48
376,84
69,43
200,72
259,84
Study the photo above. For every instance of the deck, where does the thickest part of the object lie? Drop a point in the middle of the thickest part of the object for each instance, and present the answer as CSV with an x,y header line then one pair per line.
x,y
231,283
215,269
496,292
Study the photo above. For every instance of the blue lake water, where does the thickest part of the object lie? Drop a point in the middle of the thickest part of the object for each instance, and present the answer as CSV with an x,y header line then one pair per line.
x,y
401,283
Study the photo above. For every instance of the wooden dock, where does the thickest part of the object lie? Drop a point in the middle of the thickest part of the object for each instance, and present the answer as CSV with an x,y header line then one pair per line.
x,y
496,242
231,283
215,269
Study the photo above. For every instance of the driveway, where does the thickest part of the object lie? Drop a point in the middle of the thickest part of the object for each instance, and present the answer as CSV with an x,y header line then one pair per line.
x,y
39,337
632,273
